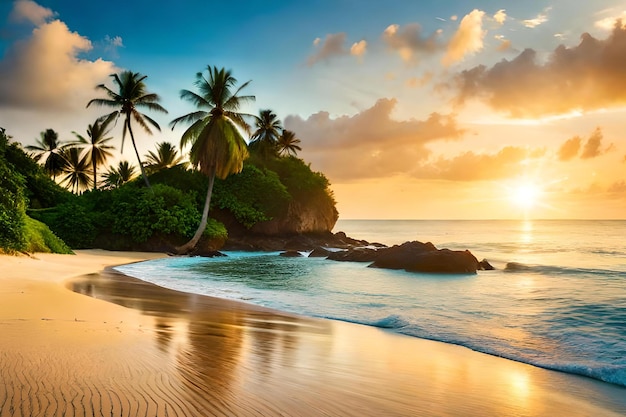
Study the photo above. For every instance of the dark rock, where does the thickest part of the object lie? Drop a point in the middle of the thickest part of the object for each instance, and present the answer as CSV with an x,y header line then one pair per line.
x,y
207,253
354,255
291,254
425,257
398,256
516,266
444,261
485,265
319,252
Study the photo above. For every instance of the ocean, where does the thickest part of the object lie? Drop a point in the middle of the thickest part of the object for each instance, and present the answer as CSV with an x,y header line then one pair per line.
x,y
560,305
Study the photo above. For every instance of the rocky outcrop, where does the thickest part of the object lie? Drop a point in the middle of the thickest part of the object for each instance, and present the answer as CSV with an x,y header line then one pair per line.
x,y
355,255
319,252
300,218
301,242
413,257
291,254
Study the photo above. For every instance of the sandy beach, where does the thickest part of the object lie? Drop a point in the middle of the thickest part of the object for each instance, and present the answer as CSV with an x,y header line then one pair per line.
x,y
81,340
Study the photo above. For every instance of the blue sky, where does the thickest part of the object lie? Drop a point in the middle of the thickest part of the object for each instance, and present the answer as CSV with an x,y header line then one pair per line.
x,y
411,108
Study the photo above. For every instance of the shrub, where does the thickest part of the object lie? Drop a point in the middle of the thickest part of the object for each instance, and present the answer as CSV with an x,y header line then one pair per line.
x,y
252,196
140,213
39,238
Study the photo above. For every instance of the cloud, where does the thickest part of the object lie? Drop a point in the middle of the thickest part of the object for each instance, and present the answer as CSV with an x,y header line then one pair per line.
x,y
472,166
505,44
569,149
591,149
374,144
332,46
586,77
467,39
500,16
358,48
454,18
29,11
110,45
540,19
618,187
609,23
415,82
44,71
409,41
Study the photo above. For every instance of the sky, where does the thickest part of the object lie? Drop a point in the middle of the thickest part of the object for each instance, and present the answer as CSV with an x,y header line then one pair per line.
x,y
450,109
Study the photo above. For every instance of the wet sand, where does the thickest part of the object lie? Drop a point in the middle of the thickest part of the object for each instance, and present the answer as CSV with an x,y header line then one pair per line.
x,y
134,349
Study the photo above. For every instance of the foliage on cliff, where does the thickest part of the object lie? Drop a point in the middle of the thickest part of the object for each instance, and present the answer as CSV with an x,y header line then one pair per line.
x,y
23,184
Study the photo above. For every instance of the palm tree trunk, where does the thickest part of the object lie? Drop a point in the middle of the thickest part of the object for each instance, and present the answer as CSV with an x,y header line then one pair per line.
x,y
187,247
132,138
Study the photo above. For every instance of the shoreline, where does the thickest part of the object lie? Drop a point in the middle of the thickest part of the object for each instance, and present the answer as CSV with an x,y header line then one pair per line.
x,y
133,347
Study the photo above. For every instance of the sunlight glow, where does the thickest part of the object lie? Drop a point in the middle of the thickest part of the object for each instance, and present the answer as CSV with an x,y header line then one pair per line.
x,y
525,195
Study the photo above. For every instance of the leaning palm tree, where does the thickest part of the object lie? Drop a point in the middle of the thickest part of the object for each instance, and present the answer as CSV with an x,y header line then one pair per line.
x,y
78,175
97,149
130,96
48,150
217,147
166,156
265,137
116,177
288,143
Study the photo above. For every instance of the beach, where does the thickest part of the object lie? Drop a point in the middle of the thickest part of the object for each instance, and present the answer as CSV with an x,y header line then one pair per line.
x,y
79,339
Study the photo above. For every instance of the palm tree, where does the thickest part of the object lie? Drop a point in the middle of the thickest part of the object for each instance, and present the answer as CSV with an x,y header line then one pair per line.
x,y
130,96
48,150
217,146
166,156
288,143
78,176
97,147
115,177
266,135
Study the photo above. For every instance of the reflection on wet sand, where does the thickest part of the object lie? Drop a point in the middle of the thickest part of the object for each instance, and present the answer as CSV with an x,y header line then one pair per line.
x,y
217,357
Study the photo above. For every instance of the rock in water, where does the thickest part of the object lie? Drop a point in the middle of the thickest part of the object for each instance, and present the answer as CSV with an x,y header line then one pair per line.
x,y
319,252
425,257
291,254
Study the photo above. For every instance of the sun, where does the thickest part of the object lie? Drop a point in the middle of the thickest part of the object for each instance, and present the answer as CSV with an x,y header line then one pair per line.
x,y
525,195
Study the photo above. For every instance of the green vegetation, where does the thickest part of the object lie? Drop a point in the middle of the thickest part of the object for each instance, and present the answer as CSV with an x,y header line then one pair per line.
x,y
21,177
131,96
109,208
39,238
217,147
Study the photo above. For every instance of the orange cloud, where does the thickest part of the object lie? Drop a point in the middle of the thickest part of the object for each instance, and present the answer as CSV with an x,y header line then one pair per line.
x,y
333,45
369,144
472,166
591,149
468,38
586,77
44,71
409,41
593,146
569,149
500,16
358,48
29,11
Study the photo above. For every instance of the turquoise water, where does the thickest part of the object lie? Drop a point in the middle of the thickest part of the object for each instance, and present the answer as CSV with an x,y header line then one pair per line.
x,y
563,308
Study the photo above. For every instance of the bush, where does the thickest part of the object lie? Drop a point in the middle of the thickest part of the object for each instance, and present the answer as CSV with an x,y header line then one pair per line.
x,y
252,196
12,203
215,230
39,238
74,222
141,213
